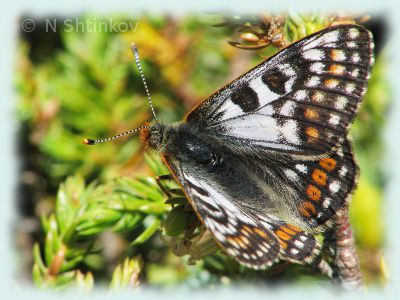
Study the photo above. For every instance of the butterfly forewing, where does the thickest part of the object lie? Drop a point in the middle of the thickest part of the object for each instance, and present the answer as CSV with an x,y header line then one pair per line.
x,y
299,101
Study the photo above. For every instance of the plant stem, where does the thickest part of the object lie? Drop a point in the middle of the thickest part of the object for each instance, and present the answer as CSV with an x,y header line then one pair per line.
x,y
346,259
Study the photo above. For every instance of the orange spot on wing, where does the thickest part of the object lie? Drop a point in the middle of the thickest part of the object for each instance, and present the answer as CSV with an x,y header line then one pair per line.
x,y
244,239
261,233
328,163
283,244
336,69
287,230
317,96
337,54
307,209
331,82
312,134
311,114
319,176
247,228
310,206
304,212
237,241
240,242
294,228
283,235
313,192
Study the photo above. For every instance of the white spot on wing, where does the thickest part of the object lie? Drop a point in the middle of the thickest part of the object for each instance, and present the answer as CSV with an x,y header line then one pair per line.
x,y
317,67
343,171
302,168
230,109
303,238
289,84
341,102
355,58
326,203
254,127
232,252
355,72
351,44
313,54
265,95
288,108
291,174
313,81
350,87
299,244
219,236
334,119
339,55
330,37
300,95
334,187
289,132
354,33
287,70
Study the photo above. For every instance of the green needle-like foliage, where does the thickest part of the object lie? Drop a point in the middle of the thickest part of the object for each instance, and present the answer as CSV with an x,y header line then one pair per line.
x,y
82,213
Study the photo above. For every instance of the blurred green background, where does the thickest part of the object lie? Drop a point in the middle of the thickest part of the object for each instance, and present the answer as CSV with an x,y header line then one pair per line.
x,y
92,214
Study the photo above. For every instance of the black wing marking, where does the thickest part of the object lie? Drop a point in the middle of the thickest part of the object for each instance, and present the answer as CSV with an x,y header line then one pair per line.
x,y
300,100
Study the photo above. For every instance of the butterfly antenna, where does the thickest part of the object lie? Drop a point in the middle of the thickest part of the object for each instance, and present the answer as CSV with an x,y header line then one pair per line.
x,y
135,53
93,142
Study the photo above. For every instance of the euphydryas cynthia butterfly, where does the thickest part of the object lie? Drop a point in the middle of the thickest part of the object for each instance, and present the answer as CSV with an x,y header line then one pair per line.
x,y
265,161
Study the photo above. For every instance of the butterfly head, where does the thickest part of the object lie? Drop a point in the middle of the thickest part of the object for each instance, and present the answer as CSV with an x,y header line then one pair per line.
x,y
152,135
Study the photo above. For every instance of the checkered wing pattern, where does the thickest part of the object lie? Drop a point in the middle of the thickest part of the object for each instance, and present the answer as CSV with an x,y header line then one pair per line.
x,y
300,101
322,187
254,240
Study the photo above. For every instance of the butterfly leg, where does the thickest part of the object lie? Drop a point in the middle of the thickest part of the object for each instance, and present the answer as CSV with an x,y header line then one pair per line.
x,y
159,179
175,196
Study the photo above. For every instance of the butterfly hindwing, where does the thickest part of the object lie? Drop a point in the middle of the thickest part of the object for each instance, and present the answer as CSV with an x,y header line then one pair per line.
x,y
240,234
322,186
299,101
254,239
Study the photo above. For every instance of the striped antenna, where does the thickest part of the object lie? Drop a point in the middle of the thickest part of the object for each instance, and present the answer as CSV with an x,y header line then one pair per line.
x,y
93,142
135,53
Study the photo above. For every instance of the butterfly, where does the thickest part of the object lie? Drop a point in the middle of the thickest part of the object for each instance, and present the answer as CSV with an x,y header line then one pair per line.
x,y
266,161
